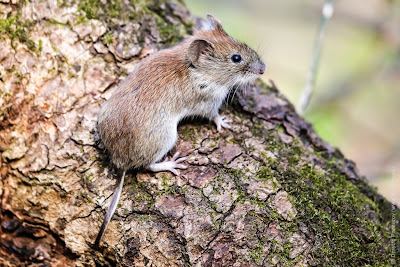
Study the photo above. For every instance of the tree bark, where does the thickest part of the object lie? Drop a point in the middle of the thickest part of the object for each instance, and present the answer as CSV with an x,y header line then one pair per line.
x,y
268,192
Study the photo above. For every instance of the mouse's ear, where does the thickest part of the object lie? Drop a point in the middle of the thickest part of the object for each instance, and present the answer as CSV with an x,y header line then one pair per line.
x,y
211,24
197,47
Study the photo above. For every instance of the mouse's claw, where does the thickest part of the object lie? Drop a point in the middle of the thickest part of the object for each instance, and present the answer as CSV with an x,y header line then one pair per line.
x,y
221,122
168,165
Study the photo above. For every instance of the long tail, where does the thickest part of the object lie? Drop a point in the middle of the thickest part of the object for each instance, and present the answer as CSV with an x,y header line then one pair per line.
x,y
111,210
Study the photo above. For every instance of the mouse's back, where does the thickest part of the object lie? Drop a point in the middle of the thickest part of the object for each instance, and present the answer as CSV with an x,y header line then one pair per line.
x,y
144,106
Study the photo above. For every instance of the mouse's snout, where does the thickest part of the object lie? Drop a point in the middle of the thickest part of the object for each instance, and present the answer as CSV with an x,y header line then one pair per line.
x,y
258,68
262,68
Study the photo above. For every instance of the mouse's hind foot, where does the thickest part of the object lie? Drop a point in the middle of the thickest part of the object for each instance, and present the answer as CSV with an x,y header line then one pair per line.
x,y
168,165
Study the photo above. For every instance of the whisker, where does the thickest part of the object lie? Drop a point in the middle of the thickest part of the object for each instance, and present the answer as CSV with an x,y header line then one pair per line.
x,y
236,88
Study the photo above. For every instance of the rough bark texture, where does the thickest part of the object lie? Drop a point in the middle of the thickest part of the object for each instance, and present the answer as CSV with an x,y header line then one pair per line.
x,y
269,192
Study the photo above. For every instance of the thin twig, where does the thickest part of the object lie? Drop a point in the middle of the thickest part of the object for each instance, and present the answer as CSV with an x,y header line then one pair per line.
x,y
327,12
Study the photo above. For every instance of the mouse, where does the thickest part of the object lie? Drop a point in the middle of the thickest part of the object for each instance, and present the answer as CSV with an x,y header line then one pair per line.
x,y
138,124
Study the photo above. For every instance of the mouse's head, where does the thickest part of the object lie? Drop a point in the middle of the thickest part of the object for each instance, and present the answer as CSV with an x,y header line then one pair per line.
x,y
221,58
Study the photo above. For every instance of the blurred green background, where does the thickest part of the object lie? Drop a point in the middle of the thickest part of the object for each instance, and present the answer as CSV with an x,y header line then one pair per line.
x,y
356,102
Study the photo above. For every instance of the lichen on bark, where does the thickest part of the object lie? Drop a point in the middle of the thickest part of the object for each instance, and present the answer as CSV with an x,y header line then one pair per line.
x,y
268,192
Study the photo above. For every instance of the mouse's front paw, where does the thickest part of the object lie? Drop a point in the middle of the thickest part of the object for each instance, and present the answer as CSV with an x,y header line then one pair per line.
x,y
221,122
168,165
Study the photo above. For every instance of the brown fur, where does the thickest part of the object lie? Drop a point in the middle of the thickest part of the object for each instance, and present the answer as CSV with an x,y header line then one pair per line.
x,y
135,122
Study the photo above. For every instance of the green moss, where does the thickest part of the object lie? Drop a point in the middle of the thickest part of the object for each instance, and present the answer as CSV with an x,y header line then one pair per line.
x,y
171,34
97,9
145,217
89,178
108,38
213,205
165,181
258,128
144,196
266,89
17,30
93,9
336,211
256,253
349,223
265,173
188,133
167,186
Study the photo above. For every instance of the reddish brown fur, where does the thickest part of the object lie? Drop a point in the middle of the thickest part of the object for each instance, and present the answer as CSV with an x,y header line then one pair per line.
x,y
137,121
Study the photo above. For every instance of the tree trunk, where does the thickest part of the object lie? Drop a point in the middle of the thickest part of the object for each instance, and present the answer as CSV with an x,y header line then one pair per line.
x,y
268,192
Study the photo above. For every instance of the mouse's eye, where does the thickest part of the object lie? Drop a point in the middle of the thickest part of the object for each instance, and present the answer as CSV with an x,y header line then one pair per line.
x,y
236,58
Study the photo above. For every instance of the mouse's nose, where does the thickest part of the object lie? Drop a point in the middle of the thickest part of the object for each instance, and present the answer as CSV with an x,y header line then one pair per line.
x,y
261,68
258,68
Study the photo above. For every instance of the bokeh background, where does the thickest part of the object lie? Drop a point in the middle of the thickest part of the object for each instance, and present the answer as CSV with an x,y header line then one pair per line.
x,y
356,102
